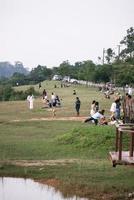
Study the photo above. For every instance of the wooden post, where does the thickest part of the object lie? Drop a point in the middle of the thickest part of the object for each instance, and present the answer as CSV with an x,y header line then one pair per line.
x,y
120,144
131,144
117,138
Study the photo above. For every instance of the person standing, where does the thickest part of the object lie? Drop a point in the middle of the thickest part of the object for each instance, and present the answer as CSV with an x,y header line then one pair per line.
x,y
44,94
77,106
53,102
93,110
130,90
113,110
30,99
118,108
96,106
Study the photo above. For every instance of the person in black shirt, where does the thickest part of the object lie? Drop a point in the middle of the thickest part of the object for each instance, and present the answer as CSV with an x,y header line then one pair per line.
x,y
77,105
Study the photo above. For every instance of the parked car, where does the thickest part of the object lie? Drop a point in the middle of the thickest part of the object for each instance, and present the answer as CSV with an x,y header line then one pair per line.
x,y
57,77
66,79
72,80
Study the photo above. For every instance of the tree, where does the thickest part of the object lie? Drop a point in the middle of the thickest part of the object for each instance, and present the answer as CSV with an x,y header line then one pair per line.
x,y
40,73
87,70
128,41
65,68
109,55
103,73
18,79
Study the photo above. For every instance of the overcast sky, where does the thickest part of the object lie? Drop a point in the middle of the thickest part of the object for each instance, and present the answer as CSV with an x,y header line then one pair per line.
x,y
48,32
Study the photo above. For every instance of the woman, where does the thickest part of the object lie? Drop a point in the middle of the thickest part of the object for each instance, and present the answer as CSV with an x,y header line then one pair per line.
x,y
92,111
118,109
113,110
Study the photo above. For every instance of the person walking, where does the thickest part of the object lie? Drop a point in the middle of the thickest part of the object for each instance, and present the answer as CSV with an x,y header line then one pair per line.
x,y
77,106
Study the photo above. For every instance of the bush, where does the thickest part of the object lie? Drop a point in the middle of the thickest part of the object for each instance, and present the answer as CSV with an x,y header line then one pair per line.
x,y
7,93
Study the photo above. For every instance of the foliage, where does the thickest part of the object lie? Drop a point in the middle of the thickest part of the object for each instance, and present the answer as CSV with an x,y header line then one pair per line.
x,y
40,73
118,69
110,54
7,93
128,41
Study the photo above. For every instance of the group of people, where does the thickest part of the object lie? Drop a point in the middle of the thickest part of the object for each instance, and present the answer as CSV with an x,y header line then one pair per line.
x,y
52,103
96,115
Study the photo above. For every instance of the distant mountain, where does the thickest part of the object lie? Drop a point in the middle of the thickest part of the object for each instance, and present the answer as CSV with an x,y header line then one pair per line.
x,y
7,69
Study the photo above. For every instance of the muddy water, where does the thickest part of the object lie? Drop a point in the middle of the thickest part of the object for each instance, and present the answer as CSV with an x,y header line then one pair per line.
x,y
26,189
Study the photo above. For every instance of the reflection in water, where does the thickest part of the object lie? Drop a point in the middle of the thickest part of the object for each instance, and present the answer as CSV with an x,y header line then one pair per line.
x,y
25,189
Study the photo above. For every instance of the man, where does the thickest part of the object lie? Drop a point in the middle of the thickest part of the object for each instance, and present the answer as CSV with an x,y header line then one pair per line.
x,y
77,105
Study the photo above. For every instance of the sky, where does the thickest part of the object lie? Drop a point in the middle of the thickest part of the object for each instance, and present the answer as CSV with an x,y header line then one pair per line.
x,y
48,32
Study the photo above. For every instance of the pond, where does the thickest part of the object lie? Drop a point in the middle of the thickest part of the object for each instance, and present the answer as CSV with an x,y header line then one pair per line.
x,y
25,189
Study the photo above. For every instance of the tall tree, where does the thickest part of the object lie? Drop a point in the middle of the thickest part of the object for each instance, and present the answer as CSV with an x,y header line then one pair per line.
x,y
128,41
109,55
65,68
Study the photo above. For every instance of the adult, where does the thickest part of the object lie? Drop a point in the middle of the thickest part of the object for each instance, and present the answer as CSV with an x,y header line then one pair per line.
x,y
39,85
118,108
58,103
77,106
113,110
130,90
93,110
30,99
96,117
53,102
96,106
44,94
74,92
53,99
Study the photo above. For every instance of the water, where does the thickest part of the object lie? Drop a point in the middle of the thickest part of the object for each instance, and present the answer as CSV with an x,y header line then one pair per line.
x,y
26,189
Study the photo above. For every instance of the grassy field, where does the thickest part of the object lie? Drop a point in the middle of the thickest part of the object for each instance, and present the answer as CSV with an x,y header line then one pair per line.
x,y
77,154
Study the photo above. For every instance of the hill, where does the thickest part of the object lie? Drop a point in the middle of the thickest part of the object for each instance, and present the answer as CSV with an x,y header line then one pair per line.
x,y
7,69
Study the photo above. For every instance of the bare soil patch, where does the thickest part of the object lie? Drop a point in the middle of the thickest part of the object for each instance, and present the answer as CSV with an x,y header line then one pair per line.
x,y
39,163
52,119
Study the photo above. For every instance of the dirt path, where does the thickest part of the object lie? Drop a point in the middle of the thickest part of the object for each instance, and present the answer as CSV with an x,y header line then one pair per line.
x,y
39,163
52,119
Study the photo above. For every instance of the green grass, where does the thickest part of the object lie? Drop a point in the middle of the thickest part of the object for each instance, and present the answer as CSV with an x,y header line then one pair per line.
x,y
19,109
92,173
53,140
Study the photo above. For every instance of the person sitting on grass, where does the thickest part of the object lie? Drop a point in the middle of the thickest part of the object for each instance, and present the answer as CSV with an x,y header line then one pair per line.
x,y
98,116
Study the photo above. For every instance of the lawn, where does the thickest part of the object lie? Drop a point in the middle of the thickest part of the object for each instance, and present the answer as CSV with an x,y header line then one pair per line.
x,y
77,154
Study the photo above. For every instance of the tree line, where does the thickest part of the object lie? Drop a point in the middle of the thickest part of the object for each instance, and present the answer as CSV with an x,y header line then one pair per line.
x,y
118,69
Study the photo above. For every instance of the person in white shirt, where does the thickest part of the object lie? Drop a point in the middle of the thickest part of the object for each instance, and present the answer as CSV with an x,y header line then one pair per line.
x,y
96,117
130,91
30,99
113,110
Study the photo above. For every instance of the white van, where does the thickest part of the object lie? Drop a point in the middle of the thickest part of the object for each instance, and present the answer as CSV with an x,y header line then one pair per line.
x,y
57,77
